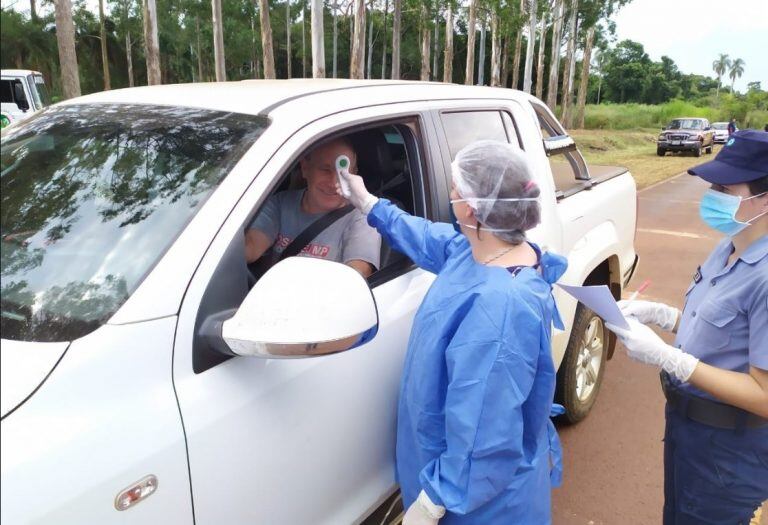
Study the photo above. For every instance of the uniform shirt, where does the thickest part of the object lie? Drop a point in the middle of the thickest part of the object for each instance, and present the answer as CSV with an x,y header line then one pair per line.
x,y
725,318
349,238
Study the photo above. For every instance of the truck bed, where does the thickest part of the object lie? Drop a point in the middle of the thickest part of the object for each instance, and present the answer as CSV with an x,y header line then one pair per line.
x,y
566,185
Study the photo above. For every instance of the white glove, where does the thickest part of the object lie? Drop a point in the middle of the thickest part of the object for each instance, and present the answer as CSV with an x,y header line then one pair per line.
x,y
423,512
359,196
645,346
648,312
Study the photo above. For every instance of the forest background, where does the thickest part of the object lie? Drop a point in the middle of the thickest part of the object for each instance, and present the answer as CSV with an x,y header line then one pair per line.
x,y
573,60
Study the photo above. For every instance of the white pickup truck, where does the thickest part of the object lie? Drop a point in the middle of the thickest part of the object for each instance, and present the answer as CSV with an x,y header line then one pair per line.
x,y
22,94
124,399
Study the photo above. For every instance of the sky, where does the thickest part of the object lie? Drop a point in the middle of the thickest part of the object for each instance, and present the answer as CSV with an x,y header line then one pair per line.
x,y
691,32
694,32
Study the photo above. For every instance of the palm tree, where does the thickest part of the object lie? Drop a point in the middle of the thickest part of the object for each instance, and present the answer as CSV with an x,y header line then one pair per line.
x,y
737,69
720,66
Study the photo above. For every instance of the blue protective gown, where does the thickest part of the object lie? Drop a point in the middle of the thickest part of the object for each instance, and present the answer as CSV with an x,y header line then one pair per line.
x,y
473,427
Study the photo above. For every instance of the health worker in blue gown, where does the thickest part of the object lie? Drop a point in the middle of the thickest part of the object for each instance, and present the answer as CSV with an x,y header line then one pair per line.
x,y
475,443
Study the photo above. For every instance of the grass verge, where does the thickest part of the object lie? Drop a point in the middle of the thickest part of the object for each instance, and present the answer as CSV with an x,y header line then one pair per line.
x,y
635,149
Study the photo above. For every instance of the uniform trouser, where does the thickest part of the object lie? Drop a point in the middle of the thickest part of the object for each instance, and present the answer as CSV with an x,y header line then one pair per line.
x,y
711,475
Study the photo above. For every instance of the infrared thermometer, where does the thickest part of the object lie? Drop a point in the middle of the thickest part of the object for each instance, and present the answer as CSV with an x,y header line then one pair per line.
x,y
342,169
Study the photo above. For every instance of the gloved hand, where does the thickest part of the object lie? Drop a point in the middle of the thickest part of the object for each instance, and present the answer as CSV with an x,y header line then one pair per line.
x,y
423,512
359,198
645,346
648,312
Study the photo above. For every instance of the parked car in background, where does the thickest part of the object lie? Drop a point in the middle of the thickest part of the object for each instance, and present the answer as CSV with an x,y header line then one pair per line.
x,y
144,381
686,134
22,94
721,132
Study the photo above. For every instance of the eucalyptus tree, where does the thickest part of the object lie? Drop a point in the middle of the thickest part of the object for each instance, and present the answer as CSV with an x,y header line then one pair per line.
x,y
151,42
720,67
554,62
736,70
318,40
357,61
65,37
396,28
527,76
104,55
218,42
518,27
448,53
424,33
540,59
469,76
569,69
495,47
266,40
384,42
288,37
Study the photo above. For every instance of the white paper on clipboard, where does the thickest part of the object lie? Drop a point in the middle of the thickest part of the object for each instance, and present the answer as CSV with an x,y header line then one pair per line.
x,y
600,300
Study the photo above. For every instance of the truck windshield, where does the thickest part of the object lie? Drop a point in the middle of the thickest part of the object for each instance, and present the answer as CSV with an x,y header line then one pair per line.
x,y
687,123
92,196
40,91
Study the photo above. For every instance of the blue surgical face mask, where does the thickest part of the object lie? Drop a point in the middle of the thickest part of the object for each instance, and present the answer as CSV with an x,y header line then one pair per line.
x,y
718,210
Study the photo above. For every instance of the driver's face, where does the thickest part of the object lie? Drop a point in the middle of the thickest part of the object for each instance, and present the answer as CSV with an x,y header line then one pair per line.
x,y
319,170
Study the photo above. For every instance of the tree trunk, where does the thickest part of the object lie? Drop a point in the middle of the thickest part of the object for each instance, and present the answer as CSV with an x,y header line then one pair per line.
x,y
199,53
448,58
518,51
288,37
554,63
369,57
481,58
581,100
65,36
218,42
266,40
151,44
303,39
568,74
540,61
104,57
505,62
318,40
396,39
424,43
33,11
129,58
335,39
495,50
357,63
528,75
469,74
384,42
436,48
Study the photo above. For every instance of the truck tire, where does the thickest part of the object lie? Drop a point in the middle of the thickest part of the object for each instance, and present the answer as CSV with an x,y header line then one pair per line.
x,y
581,372
709,148
697,151
661,152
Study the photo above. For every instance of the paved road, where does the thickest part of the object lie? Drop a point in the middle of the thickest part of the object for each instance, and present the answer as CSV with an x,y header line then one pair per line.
x,y
613,459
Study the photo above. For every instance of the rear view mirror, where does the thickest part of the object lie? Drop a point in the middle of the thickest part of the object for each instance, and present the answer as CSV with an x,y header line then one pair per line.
x,y
303,307
19,97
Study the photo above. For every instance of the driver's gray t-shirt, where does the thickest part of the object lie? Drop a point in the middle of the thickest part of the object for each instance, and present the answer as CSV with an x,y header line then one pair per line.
x,y
347,239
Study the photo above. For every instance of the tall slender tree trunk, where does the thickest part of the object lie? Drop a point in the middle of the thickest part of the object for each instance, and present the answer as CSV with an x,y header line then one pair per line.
x,y
65,37
505,62
424,42
104,57
396,22
357,63
384,42
469,74
199,52
369,57
129,57
481,57
554,63
528,74
318,40
266,40
303,39
518,50
335,39
540,61
568,73
495,50
581,99
218,42
288,37
436,47
33,11
151,44
448,55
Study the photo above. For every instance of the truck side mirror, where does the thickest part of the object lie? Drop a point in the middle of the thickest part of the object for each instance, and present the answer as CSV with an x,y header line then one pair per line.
x,y
19,97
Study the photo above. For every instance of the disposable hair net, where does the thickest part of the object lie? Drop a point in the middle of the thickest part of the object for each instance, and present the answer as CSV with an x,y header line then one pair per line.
x,y
496,181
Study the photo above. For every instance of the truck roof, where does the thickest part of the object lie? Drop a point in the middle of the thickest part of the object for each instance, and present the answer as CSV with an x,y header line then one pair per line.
x,y
262,96
19,72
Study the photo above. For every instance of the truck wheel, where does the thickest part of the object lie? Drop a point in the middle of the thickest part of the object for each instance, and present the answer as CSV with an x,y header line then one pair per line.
x,y
709,149
697,151
581,372
661,152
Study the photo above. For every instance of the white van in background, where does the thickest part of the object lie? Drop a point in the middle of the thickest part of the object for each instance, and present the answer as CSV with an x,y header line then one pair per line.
x,y
22,94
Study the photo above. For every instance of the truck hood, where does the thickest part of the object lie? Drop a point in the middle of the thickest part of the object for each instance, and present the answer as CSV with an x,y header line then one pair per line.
x,y
24,366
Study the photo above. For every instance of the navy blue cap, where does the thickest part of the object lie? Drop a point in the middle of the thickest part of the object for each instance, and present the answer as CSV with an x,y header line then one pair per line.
x,y
743,158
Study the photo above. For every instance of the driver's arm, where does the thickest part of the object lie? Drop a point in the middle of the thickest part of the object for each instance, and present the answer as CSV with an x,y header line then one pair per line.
x,y
366,269
256,243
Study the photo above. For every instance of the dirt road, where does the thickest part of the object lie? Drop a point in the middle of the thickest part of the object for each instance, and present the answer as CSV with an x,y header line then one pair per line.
x,y
613,459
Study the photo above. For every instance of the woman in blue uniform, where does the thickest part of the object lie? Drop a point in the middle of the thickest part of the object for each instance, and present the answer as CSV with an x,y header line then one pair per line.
x,y
474,439
715,377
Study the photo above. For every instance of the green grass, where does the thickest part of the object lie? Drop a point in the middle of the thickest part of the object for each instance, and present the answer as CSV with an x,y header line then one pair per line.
x,y
635,149
633,116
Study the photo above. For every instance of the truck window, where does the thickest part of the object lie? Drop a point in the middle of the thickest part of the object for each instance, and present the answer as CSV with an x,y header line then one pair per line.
x,y
6,91
92,199
464,127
